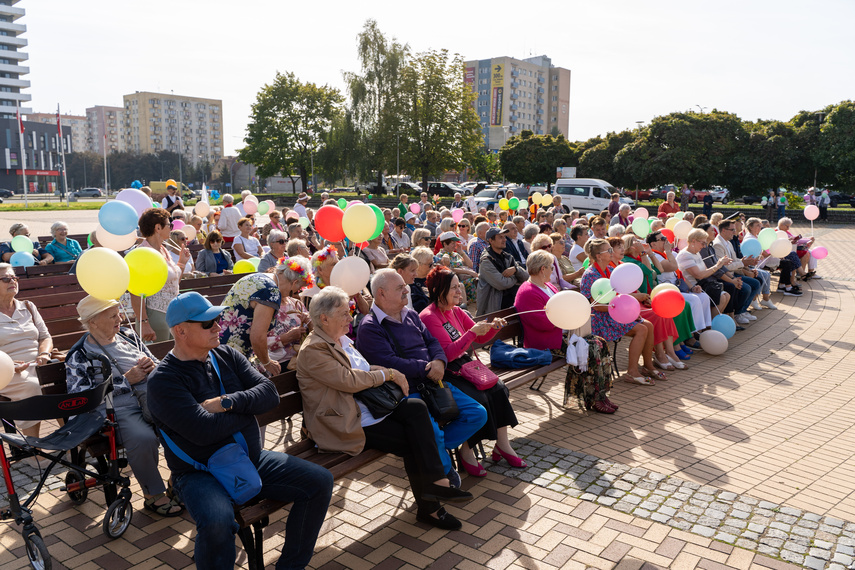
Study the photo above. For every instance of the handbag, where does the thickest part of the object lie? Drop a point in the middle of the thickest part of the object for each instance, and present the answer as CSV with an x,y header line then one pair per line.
x,y
470,368
438,397
381,400
230,465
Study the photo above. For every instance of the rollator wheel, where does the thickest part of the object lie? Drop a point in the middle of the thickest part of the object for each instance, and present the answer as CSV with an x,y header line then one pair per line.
x,y
77,497
118,517
37,552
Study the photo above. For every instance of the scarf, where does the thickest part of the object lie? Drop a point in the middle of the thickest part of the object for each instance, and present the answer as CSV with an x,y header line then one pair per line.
x,y
604,272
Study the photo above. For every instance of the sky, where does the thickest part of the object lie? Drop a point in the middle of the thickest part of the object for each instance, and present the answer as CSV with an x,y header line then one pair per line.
x,y
630,60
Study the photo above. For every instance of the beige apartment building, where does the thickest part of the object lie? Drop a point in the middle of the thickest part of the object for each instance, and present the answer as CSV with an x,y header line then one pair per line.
x,y
191,126
105,129
513,95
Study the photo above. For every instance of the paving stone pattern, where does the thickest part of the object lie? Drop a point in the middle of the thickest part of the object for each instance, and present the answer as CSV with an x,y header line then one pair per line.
x,y
793,535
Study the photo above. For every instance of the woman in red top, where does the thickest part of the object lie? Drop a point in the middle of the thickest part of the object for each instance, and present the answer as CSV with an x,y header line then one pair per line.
x,y
456,332
669,206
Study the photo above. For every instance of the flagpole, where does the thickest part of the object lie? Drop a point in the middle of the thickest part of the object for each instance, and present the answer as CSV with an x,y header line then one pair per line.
x,y
106,188
23,154
62,154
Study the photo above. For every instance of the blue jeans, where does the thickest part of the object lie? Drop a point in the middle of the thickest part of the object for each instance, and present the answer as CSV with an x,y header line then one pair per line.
x,y
472,417
752,287
782,211
284,478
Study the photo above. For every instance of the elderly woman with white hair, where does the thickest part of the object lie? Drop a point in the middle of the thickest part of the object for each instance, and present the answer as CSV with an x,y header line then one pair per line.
x,y
332,373
62,248
130,364
276,240
291,321
622,217
807,267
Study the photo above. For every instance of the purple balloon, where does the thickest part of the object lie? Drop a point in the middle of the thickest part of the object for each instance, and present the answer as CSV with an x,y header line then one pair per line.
x,y
624,309
626,278
136,198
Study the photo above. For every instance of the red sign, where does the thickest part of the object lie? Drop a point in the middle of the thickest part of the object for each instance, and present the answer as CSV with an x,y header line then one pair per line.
x,y
72,403
39,172
469,76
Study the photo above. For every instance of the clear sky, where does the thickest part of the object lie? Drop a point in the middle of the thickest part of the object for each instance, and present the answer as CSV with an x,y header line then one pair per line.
x,y
631,60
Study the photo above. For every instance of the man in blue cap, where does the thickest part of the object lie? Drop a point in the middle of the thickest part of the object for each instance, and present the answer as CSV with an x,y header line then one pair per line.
x,y
187,403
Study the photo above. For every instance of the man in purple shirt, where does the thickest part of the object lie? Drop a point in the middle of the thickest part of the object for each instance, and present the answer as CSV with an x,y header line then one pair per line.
x,y
479,245
394,336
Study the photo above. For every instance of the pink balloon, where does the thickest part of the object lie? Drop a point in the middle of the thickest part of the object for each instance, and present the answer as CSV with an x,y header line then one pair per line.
x,y
271,205
642,213
811,212
819,252
415,208
353,203
626,278
624,308
574,222
456,215
250,206
177,224
682,244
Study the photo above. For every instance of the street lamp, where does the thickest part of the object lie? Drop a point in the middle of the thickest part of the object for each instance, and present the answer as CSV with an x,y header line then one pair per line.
x,y
701,108
820,114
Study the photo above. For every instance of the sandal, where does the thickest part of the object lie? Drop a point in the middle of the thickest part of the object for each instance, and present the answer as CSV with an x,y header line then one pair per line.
x,y
173,494
677,364
164,510
652,373
640,380
663,365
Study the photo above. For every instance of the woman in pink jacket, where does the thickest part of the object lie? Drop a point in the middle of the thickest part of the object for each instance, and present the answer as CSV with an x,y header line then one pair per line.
x,y
538,330
456,331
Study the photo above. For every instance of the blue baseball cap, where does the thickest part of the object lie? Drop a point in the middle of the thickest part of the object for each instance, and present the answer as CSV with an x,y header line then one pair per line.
x,y
191,306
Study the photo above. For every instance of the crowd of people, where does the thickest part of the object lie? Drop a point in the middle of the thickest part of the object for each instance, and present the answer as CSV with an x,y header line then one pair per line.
x,y
434,272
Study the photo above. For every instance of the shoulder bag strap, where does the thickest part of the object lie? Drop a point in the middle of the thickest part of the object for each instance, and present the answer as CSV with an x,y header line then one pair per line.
x,y
237,435
108,355
180,454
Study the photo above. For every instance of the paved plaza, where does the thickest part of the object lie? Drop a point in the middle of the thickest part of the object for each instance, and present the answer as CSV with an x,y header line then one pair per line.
x,y
744,461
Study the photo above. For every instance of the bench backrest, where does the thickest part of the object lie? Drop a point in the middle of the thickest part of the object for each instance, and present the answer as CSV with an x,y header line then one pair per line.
x,y
512,332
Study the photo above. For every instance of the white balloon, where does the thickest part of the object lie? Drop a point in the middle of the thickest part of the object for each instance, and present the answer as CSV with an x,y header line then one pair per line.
x,y
189,231
781,247
251,198
350,274
202,209
781,234
7,369
114,242
713,342
568,310
682,229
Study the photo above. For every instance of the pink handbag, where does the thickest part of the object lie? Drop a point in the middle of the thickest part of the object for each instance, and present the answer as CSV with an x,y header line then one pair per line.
x,y
478,374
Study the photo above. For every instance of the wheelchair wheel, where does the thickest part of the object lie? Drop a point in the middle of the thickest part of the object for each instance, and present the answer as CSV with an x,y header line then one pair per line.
x,y
37,552
118,517
77,497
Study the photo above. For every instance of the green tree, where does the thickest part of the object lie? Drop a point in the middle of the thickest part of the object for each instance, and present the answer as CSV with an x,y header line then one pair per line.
x,y
89,162
692,147
287,124
225,177
598,161
767,161
533,159
435,115
337,158
371,94
486,165
836,148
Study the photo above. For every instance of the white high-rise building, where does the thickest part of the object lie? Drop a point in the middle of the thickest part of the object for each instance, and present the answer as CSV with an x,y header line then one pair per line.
x,y
11,57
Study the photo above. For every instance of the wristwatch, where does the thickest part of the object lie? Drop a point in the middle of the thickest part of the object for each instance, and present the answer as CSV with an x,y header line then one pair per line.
x,y
226,403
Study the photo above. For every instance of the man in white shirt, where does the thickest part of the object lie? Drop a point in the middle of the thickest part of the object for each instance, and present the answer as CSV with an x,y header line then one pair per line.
x,y
300,206
229,217
399,237
723,248
172,200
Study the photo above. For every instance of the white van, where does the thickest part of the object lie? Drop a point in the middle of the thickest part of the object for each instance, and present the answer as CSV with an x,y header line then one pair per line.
x,y
586,194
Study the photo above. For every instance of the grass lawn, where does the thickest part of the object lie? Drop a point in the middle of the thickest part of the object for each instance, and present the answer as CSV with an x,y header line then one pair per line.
x,y
39,206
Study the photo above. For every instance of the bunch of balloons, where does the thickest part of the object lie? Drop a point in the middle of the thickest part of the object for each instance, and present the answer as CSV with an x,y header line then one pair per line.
x,y
105,274
23,248
568,310
544,200
358,222
512,204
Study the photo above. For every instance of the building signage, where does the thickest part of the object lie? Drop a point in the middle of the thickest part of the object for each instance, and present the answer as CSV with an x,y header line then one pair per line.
x,y
469,77
497,83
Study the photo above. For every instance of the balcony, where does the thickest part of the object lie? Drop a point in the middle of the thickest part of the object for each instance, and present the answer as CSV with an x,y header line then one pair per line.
x,y
540,90
19,55
14,28
514,84
23,83
10,41
539,121
540,111
513,118
540,100
540,79
514,96
515,73
514,107
12,11
512,129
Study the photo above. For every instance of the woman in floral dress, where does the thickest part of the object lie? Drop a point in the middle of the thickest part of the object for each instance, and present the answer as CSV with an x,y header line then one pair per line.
x,y
292,321
602,324
455,258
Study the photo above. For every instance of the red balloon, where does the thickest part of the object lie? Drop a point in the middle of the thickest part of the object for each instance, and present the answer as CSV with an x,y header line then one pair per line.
x,y
668,304
328,222
362,245
669,235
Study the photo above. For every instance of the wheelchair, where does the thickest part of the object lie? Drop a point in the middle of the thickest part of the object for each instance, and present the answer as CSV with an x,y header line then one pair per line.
x,y
88,428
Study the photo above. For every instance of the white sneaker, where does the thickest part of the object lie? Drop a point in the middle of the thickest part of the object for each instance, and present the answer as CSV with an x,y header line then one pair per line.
x,y
742,319
749,316
769,304
755,305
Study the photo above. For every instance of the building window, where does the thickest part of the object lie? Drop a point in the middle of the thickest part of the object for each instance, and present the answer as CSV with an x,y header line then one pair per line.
x,y
554,78
555,88
554,98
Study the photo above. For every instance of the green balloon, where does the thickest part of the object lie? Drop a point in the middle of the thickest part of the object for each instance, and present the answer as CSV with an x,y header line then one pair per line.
x,y
304,222
22,243
155,205
679,215
342,203
523,204
641,227
254,261
767,237
263,208
89,240
514,203
601,291
381,221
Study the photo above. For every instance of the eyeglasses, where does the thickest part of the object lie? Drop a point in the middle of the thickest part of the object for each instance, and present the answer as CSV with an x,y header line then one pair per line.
x,y
207,325
280,241
546,247
610,250
9,279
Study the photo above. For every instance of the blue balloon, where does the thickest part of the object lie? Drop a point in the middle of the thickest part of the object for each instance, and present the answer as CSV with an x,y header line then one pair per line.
x,y
22,259
725,325
751,247
118,218
136,184
215,195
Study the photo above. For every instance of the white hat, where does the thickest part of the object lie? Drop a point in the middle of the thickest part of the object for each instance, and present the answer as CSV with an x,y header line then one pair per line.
x,y
409,216
448,236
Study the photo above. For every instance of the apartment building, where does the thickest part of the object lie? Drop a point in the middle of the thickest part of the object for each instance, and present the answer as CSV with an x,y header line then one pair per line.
x,y
513,95
77,124
191,126
106,129
11,56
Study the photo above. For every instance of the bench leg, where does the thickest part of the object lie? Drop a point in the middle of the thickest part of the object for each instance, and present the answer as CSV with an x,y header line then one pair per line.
x,y
537,383
615,372
253,543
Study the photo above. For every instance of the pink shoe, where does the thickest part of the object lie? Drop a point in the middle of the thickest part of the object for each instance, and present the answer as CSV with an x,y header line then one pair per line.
x,y
476,470
512,460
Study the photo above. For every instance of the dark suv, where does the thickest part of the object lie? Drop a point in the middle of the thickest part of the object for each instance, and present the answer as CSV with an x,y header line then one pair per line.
x,y
6,193
446,189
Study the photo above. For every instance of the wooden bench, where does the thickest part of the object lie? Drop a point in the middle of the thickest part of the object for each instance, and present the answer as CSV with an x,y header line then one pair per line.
x,y
517,377
255,515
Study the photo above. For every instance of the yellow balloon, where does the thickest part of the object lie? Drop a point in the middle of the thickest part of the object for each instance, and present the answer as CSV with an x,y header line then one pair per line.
x,y
663,287
503,204
359,223
546,200
148,271
243,266
103,273
671,223
535,198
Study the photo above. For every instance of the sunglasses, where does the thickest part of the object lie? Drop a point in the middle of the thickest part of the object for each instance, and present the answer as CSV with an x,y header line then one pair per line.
x,y
610,250
279,241
9,279
546,247
207,325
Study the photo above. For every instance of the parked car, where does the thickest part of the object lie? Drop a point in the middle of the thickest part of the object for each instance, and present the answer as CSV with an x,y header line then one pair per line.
x,y
750,199
446,189
6,193
489,197
838,198
696,196
720,194
407,188
661,192
88,193
587,194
